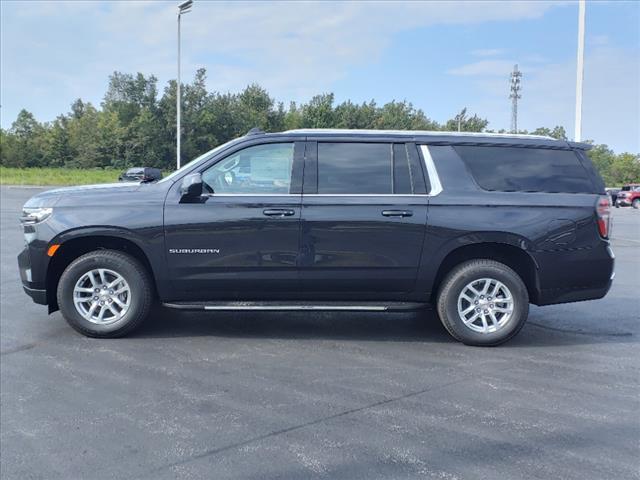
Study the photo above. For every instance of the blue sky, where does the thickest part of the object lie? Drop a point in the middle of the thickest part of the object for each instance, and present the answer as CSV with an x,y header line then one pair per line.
x,y
441,56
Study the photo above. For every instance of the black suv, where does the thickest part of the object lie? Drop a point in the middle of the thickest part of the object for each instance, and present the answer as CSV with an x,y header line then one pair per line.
x,y
478,225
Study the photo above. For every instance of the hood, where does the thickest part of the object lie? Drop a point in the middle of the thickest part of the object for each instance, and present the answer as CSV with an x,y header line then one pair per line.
x,y
50,198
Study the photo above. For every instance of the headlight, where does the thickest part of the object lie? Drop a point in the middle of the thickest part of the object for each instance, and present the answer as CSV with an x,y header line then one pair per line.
x,y
35,215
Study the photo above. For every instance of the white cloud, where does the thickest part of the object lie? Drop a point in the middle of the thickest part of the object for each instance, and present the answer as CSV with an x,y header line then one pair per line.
x,y
611,100
598,40
54,52
293,49
484,68
487,52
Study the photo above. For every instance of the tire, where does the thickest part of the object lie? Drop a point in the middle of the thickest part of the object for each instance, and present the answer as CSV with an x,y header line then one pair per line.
x,y
498,328
636,203
106,265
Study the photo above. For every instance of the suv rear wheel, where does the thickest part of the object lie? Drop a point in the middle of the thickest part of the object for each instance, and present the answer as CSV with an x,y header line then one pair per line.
x,y
636,203
483,302
105,294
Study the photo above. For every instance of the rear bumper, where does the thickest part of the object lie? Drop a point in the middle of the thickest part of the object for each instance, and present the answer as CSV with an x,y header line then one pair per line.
x,y
575,276
550,297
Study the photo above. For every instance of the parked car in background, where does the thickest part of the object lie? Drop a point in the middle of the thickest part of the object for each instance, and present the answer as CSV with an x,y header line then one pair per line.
x,y
141,174
479,225
629,195
613,193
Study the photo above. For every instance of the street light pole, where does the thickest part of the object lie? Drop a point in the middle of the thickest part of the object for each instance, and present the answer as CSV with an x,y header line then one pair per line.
x,y
182,9
579,71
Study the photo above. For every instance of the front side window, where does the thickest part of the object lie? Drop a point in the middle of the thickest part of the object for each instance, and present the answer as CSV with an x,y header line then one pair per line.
x,y
355,168
261,169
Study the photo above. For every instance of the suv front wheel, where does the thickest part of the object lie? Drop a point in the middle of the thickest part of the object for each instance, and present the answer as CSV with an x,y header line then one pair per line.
x,y
105,294
483,303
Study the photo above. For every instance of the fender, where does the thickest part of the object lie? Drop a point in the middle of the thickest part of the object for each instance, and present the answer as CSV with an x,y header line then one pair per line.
x,y
151,244
437,248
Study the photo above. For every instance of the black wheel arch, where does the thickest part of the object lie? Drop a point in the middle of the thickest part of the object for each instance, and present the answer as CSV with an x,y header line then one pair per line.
x,y
511,254
75,243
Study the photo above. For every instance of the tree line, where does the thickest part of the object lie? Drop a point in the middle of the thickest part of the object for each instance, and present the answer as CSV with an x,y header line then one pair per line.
x,y
135,126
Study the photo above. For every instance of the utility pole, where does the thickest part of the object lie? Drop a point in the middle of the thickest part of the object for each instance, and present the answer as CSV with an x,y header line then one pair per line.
x,y
580,71
182,9
460,118
516,75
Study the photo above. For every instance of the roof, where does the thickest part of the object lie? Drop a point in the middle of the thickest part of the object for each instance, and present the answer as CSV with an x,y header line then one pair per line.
x,y
411,133
432,137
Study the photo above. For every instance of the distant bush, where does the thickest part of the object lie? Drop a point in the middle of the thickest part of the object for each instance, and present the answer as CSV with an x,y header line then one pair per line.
x,y
56,176
136,127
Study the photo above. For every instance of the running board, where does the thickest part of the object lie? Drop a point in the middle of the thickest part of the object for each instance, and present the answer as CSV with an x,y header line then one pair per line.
x,y
296,306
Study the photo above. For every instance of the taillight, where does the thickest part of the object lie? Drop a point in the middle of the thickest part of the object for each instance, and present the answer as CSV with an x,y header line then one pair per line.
x,y
603,211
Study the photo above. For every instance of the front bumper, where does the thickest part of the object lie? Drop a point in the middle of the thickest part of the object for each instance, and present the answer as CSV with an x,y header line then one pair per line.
x,y
38,296
32,274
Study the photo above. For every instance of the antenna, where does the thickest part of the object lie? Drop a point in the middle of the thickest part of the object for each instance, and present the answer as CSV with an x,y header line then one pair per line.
x,y
516,75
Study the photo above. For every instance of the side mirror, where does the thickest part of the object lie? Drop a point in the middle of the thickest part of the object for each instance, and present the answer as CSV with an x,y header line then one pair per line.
x,y
191,187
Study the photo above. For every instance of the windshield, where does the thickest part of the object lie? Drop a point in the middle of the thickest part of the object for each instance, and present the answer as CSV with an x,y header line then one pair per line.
x,y
187,166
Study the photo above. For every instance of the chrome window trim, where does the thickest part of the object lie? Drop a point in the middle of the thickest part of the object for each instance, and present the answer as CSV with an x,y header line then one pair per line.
x,y
432,172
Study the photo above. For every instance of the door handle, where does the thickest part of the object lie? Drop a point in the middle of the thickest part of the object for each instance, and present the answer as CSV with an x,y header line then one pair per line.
x,y
397,213
278,212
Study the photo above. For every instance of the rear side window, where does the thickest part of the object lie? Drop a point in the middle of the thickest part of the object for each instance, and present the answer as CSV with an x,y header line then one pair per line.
x,y
509,169
355,168
364,168
401,172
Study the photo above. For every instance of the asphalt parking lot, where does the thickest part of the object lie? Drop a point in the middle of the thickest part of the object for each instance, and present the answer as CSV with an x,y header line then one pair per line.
x,y
335,395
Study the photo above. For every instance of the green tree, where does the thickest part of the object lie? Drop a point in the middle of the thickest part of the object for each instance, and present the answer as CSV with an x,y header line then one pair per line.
x,y
127,95
58,151
135,127
403,116
27,148
603,157
350,115
462,122
557,132
83,138
9,150
293,117
625,168
319,113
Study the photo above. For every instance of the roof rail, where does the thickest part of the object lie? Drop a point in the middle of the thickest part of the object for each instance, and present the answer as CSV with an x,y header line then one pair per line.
x,y
255,131
311,131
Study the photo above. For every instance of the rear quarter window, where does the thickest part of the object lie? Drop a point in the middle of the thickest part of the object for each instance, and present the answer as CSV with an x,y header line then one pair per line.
x,y
510,169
